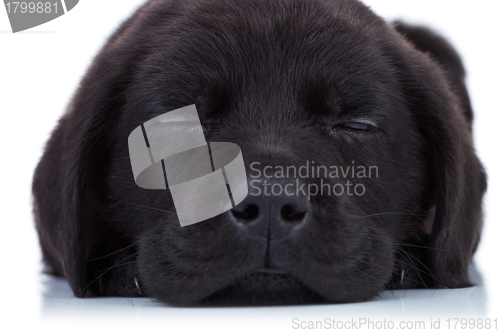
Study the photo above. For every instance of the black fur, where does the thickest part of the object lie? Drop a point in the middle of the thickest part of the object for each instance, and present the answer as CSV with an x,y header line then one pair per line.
x,y
280,78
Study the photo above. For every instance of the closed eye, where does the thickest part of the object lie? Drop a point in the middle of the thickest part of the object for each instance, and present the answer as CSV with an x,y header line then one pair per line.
x,y
358,126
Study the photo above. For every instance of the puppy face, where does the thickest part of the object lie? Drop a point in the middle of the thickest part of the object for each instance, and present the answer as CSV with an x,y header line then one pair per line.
x,y
292,83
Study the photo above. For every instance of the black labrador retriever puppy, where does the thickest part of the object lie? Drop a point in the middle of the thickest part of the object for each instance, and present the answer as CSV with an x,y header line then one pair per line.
x,y
292,82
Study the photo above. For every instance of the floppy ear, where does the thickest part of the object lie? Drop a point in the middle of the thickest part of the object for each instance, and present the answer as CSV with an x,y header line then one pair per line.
x,y
63,191
68,184
458,176
67,181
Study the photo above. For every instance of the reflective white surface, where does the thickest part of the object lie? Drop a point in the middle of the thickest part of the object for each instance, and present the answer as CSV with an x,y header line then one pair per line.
x,y
58,302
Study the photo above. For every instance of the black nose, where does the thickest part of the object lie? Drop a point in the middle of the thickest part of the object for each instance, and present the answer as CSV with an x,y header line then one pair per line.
x,y
273,213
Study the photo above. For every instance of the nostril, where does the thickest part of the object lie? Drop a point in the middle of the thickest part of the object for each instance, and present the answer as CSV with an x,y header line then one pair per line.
x,y
290,214
249,213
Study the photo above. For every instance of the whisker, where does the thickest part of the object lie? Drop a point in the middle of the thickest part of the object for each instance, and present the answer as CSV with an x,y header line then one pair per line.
x,y
144,207
388,213
410,263
425,266
426,247
109,254
120,262
104,211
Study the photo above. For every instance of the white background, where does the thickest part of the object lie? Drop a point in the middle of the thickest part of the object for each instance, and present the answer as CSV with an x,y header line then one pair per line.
x,y
40,70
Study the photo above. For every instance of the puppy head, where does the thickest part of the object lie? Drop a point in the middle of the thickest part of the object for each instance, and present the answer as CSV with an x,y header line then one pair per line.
x,y
291,83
